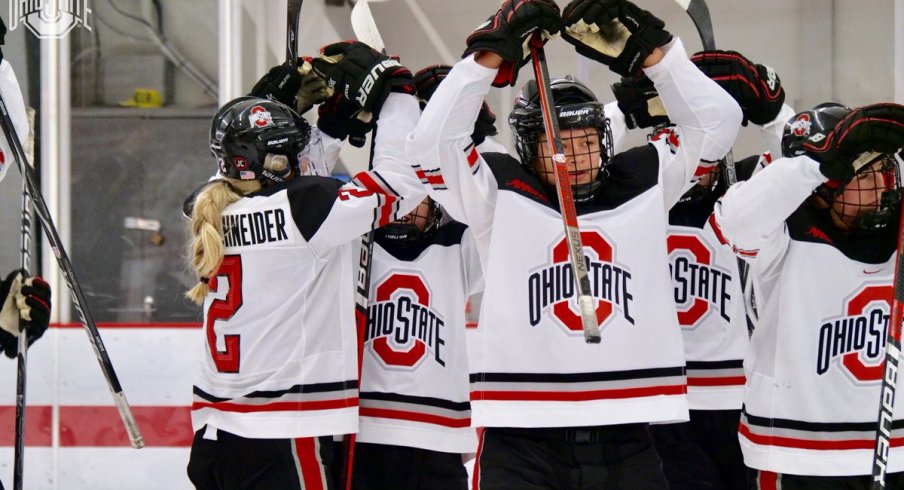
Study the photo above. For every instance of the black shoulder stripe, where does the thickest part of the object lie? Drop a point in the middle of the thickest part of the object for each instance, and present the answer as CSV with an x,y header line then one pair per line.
x,y
311,199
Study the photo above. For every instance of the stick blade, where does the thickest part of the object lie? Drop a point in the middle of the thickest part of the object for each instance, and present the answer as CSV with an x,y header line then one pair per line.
x,y
698,11
364,26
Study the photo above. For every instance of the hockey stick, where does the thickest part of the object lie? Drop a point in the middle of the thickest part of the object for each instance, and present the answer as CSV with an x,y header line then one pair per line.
x,y
75,291
563,189
699,14
365,29
293,16
22,356
890,368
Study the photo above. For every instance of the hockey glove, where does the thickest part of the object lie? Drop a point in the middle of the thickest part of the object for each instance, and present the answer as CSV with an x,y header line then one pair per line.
x,y
756,88
295,86
509,31
364,76
616,33
873,128
640,103
427,79
28,300
341,119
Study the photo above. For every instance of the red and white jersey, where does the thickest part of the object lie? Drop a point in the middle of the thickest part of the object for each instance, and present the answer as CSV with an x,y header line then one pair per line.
x,y
279,357
823,297
414,379
532,367
15,107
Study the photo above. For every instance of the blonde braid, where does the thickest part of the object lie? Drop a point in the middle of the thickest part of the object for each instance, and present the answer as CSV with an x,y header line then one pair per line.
x,y
206,247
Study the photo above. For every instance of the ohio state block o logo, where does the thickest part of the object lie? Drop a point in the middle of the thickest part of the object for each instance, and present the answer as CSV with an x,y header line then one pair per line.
x,y
564,310
699,307
859,305
415,286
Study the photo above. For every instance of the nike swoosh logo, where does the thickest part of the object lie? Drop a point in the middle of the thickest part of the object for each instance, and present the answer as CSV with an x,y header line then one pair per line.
x,y
871,272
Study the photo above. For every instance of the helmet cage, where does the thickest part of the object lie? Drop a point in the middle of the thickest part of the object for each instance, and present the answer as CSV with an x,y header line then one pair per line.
x,y
404,230
879,217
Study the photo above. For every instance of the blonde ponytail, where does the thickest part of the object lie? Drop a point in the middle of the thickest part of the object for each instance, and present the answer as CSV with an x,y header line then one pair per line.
x,y
206,247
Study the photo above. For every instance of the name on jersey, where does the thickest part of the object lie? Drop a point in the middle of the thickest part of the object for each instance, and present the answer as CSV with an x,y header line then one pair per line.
x,y
697,283
554,285
402,325
245,229
858,337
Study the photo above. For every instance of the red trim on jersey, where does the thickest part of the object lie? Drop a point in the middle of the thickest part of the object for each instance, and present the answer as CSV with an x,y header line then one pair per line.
x,y
309,464
385,209
430,179
579,396
279,406
475,477
718,231
766,480
426,418
703,170
98,426
717,381
813,444
472,157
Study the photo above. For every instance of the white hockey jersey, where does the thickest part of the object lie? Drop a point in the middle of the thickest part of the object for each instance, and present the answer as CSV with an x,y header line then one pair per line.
x,y
15,107
414,380
279,357
533,368
814,367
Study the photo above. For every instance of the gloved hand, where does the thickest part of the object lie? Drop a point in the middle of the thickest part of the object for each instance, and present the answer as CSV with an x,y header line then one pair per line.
x,y
616,33
26,299
508,33
362,75
341,119
876,127
640,103
756,88
293,84
427,79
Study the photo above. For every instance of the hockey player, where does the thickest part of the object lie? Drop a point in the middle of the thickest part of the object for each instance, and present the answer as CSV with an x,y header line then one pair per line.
x,y
560,413
819,228
273,251
704,453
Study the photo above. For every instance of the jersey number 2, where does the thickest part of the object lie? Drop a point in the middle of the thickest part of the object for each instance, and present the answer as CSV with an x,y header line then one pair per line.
x,y
227,361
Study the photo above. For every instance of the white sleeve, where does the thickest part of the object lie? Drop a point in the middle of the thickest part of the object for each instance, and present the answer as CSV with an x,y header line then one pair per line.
x,y
471,262
750,217
707,121
384,194
456,174
772,132
15,106
616,125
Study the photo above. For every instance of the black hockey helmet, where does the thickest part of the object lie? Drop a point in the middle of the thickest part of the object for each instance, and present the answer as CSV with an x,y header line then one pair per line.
x,y
249,129
819,120
576,106
405,231
425,82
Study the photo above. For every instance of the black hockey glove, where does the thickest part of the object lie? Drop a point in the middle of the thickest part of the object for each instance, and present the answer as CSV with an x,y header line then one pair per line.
x,y
508,33
640,103
616,33
293,84
27,299
341,119
364,76
427,79
756,88
877,127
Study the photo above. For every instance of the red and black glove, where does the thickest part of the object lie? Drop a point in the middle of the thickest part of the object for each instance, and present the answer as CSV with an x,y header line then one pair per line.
x,y
616,33
508,33
756,88
877,127
427,79
640,103
363,75
23,301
